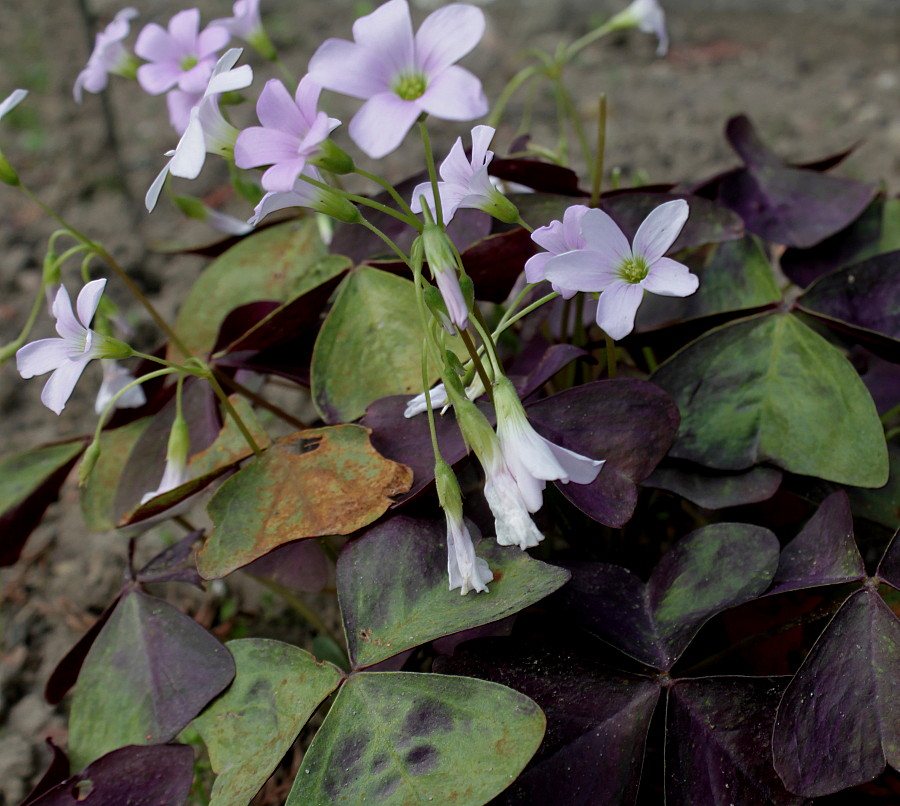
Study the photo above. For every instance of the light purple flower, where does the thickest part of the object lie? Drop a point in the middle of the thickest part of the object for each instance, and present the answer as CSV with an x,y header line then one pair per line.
x,y
180,103
649,17
116,378
109,55
558,237
621,272
305,194
207,131
12,101
399,75
466,570
67,356
181,57
174,475
245,20
466,182
512,518
291,132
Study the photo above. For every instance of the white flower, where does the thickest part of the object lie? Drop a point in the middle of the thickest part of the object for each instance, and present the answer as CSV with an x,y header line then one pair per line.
x,y
207,131
467,571
174,475
650,18
12,101
115,378
417,405
109,55
512,520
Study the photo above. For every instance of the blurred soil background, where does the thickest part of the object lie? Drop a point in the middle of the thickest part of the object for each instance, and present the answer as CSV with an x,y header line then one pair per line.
x,y
816,77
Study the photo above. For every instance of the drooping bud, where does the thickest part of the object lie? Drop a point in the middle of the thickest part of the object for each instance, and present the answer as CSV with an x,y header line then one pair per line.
x,y
441,259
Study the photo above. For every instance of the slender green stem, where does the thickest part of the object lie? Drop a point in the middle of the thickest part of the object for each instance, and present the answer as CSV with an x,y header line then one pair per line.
x,y
589,38
300,608
597,169
427,387
432,173
889,435
396,249
104,416
524,224
164,362
392,191
520,78
476,361
524,312
382,208
890,414
289,81
226,404
489,347
7,352
259,400
515,304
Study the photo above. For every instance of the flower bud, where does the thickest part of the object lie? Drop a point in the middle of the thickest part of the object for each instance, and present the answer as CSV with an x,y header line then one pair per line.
x,y
333,158
441,259
91,455
7,172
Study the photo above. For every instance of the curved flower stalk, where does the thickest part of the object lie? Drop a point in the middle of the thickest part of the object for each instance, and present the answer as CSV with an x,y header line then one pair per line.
x,y
182,56
116,378
67,356
109,56
305,194
466,182
622,272
207,132
399,75
558,237
291,132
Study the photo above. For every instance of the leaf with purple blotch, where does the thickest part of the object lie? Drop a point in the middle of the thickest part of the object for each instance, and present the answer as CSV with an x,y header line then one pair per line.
x,y
862,300
708,571
876,231
151,670
396,738
759,390
405,560
159,775
783,204
629,423
247,730
715,489
300,566
734,276
29,483
174,564
824,552
597,720
839,720
718,743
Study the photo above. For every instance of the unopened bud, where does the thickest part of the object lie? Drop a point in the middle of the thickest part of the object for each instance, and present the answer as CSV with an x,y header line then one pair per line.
x,y
448,491
179,442
91,455
333,158
7,172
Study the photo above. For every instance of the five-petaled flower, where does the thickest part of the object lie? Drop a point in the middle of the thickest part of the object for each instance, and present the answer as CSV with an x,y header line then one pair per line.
x,y
291,132
622,272
67,356
109,55
558,237
182,56
207,131
466,182
399,75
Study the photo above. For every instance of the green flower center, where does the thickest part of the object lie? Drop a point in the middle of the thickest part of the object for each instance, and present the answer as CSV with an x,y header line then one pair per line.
x,y
188,62
410,86
633,269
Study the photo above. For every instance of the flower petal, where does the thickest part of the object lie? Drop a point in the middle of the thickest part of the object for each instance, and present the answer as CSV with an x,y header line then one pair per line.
x,y
211,39
88,300
581,270
455,94
152,195
180,104
190,154
276,109
183,28
571,227
534,267
155,44
455,167
551,238
41,356
12,101
59,386
669,278
381,123
578,468
481,142
388,32
280,178
263,146
601,234
447,35
66,324
659,230
157,78
350,69
616,309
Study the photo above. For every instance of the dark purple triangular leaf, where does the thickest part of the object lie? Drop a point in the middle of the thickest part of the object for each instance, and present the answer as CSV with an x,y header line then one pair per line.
x,y
715,489
174,564
29,483
785,205
538,363
159,775
597,721
543,177
66,671
824,553
299,566
839,720
242,319
495,262
889,567
718,743
865,296
151,670
56,773
629,423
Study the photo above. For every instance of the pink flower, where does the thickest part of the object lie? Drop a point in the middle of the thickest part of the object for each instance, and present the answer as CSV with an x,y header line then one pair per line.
x,y
622,272
67,356
180,57
291,131
245,20
399,75
558,237
466,182
109,55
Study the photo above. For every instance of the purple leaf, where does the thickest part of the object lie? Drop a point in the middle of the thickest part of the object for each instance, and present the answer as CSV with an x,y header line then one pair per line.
x,y
715,489
496,261
56,773
785,205
240,320
718,743
540,176
159,775
630,423
151,670
299,566
706,572
597,721
839,720
889,567
538,363
174,564
824,553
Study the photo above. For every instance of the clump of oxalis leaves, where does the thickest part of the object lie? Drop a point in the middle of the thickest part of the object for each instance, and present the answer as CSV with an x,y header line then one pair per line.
x,y
698,609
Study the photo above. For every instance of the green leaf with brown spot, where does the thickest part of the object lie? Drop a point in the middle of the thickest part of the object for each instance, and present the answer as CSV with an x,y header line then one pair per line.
x,y
248,729
369,346
405,561
322,481
278,264
401,738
